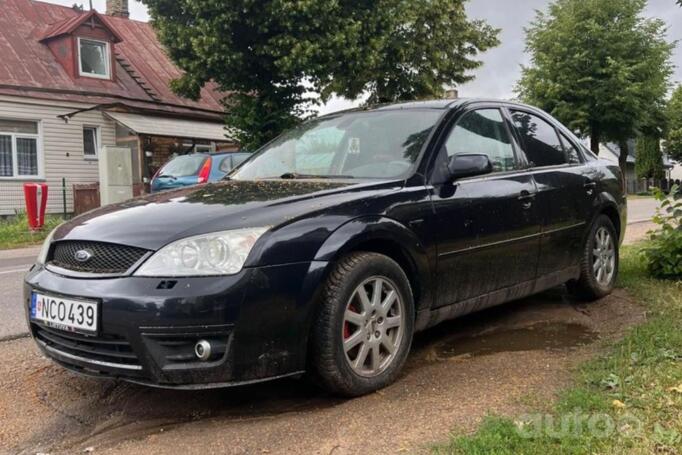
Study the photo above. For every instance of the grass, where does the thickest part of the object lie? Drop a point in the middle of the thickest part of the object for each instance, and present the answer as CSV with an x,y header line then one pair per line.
x,y
628,400
14,232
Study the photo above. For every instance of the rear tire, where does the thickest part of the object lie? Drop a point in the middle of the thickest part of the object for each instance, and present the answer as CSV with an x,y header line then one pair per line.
x,y
363,329
599,262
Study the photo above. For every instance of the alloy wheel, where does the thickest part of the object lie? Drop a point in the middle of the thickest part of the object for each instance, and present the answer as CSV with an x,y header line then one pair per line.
x,y
373,326
603,257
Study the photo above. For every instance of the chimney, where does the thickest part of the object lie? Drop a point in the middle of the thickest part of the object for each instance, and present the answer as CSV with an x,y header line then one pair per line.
x,y
117,8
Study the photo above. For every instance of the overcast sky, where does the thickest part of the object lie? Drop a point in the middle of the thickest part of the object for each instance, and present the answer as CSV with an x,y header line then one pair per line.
x,y
502,65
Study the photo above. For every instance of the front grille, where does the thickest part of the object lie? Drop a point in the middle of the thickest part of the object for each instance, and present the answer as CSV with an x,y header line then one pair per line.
x,y
109,349
104,257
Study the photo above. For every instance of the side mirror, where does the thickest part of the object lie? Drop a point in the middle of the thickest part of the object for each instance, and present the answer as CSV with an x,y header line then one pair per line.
x,y
461,166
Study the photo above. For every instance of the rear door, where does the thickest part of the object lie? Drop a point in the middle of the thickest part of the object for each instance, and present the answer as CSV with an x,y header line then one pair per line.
x,y
488,226
565,192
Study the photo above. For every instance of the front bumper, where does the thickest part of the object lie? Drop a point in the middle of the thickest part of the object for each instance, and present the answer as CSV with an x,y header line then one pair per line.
x,y
256,320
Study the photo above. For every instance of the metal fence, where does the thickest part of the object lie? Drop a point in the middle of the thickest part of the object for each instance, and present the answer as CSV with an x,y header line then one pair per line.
x,y
59,198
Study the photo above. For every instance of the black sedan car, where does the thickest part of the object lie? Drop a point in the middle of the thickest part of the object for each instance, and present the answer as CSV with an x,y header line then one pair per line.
x,y
329,248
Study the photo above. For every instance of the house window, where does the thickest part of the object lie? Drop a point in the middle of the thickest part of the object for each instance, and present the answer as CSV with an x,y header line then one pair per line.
x,y
199,148
19,149
90,142
93,58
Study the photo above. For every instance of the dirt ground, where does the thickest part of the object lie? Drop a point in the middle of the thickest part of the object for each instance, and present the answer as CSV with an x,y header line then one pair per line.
x,y
493,362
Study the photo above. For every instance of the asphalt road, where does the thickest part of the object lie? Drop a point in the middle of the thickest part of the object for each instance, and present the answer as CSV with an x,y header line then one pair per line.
x,y
13,266
641,209
14,263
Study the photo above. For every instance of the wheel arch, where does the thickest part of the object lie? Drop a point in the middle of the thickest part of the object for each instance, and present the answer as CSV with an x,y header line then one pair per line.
x,y
607,205
388,237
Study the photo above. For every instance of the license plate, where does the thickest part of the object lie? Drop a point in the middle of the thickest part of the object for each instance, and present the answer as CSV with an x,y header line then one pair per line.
x,y
65,314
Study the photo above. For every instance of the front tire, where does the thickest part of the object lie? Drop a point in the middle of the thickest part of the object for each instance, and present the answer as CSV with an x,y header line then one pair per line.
x,y
364,326
599,262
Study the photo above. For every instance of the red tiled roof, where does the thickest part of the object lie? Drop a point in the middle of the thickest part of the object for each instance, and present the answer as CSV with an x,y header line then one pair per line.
x,y
143,69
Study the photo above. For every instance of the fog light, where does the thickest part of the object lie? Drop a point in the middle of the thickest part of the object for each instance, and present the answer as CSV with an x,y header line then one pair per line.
x,y
202,350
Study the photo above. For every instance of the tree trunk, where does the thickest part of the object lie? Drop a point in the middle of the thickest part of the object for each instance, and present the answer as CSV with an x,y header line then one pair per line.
x,y
594,142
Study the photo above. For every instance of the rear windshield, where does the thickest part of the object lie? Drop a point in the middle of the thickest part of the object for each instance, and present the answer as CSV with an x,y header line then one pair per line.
x,y
183,166
232,160
239,158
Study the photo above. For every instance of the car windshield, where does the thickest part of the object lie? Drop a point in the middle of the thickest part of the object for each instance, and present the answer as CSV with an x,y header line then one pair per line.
x,y
376,144
182,166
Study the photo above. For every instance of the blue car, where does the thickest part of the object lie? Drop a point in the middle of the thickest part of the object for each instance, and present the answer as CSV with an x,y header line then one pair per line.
x,y
196,168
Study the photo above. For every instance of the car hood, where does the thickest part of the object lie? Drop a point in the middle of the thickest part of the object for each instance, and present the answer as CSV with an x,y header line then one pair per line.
x,y
155,220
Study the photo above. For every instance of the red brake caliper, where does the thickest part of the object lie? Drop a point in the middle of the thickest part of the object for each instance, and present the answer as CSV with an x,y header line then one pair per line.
x,y
346,324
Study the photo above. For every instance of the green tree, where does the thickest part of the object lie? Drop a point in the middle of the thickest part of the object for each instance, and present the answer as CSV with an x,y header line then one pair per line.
x,y
269,55
673,139
649,163
599,66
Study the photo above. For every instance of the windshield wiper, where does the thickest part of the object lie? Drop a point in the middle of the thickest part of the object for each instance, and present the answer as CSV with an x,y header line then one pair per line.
x,y
297,176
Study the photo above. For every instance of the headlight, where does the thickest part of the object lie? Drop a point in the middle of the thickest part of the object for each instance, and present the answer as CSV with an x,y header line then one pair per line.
x,y
42,255
218,253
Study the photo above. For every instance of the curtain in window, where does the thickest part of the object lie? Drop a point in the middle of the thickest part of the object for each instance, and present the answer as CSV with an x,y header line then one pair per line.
x,y
90,141
93,58
27,156
5,156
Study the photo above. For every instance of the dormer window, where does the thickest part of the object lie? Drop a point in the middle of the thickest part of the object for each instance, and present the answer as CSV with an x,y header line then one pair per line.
x,y
94,58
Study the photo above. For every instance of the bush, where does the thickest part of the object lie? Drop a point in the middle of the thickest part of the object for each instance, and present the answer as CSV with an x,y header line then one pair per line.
x,y
663,255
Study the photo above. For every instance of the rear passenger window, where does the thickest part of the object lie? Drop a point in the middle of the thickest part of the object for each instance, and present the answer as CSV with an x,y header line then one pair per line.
x,y
541,143
226,164
483,132
571,152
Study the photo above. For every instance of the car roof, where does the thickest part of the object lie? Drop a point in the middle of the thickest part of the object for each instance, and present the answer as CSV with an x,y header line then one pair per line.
x,y
240,152
442,104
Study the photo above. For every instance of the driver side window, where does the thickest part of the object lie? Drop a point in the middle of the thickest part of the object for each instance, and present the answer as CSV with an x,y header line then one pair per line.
x,y
483,132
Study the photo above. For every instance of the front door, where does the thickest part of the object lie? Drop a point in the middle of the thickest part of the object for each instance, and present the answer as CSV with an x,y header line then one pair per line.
x,y
487,227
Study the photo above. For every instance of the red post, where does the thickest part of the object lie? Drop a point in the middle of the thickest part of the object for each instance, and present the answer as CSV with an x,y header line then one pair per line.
x,y
36,202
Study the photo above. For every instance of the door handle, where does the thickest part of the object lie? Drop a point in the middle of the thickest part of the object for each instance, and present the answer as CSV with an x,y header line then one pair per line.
x,y
526,199
589,188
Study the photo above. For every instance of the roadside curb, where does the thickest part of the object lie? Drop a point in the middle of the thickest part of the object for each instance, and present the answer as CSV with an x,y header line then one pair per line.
x,y
640,221
20,252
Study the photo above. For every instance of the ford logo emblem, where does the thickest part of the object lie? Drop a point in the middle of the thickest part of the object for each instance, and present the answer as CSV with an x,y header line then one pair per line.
x,y
82,255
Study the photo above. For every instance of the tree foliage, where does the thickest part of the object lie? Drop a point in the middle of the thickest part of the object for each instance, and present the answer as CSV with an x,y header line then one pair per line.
x,y
649,163
673,139
599,66
270,54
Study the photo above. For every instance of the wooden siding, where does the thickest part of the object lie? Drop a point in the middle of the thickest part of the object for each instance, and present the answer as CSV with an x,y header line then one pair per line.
x,y
62,150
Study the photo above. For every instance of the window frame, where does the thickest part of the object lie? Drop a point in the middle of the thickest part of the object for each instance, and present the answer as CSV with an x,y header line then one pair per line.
x,y
39,151
563,137
98,142
107,59
522,142
451,123
199,148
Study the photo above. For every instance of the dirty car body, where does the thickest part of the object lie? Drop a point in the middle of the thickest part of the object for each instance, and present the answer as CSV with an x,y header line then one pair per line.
x,y
464,243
